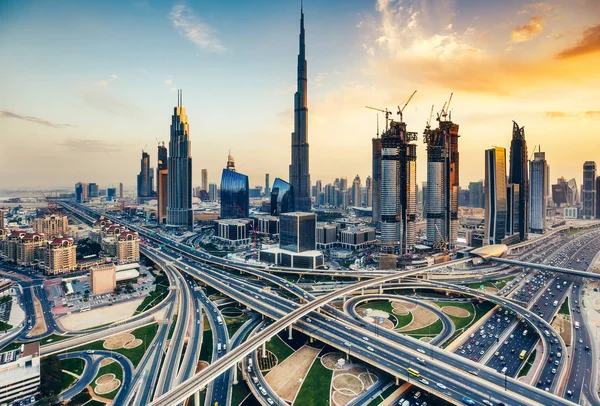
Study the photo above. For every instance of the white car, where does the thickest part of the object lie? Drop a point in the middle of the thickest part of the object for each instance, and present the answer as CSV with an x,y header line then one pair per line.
x,y
365,338
347,344
425,381
370,348
441,386
422,351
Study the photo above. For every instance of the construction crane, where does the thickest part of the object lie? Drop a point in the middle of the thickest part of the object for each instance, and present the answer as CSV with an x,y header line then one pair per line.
x,y
52,207
441,244
447,107
387,115
428,126
400,110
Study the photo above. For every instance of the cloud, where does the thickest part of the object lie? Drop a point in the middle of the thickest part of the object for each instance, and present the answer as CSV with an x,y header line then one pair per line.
x,y
31,119
319,78
564,114
169,81
103,83
102,98
528,31
590,43
89,145
190,26
113,76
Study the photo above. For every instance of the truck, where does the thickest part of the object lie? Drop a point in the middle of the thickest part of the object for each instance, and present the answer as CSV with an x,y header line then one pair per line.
x,y
219,347
219,320
555,303
525,333
577,325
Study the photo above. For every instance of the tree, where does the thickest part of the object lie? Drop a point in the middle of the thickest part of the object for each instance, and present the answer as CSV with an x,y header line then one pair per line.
x,y
50,373
49,401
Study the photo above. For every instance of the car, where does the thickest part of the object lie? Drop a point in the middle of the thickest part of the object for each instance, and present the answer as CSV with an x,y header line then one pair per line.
x,y
365,338
422,351
421,360
487,402
553,370
347,344
557,362
370,348
570,393
424,381
441,385
497,353
270,401
580,341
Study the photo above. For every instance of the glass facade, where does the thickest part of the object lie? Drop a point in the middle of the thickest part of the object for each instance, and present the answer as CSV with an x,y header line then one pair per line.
x,y
495,197
235,200
297,232
282,197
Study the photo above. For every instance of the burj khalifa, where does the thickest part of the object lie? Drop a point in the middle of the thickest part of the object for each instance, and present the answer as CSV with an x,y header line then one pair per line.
x,y
299,174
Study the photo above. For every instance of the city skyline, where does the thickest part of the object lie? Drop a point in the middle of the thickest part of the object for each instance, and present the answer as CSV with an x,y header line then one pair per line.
x,y
95,109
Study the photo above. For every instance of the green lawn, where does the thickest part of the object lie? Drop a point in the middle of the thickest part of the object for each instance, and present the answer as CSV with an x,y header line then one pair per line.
x,y
386,393
112,368
234,323
279,348
146,334
460,322
525,370
564,308
5,299
239,393
5,326
67,381
386,306
316,385
94,403
75,365
81,398
156,296
432,330
207,346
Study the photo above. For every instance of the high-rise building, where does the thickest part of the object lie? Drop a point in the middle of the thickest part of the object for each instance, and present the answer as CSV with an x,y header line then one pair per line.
x,y
144,185
589,190
267,185
20,374
424,200
81,192
343,183
356,192
235,192
495,196
282,197
318,188
369,194
111,193
213,192
120,190
93,190
538,195
162,184
442,184
376,169
205,179
513,215
52,226
59,256
597,197
299,168
298,231
518,175
398,189
476,197
179,164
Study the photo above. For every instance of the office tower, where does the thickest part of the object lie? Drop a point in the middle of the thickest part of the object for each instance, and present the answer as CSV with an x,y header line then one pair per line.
x,y
463,197
513,214
213,193
518,175
369,194
179,164
398,189
93,190
356,192
495,196
548,186
343,184
1,219
597,198
442,184
298,231
235,192
424,200
331,195
538,195
81,192
319,188
120,190
476,194
267,185
589,190
111,193
376,169
144,187
282,197
162,184
204,185
299,168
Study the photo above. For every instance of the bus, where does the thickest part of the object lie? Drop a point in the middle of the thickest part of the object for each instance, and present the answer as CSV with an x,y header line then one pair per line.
x,y
413,372
523,354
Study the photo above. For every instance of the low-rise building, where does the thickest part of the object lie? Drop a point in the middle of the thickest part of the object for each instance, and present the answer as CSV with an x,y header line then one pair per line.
x,y
305,260
234,232
571,212
103,279
358,237
268,225
326,235
20,375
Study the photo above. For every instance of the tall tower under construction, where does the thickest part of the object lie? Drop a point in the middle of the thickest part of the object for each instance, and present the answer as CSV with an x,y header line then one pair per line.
x,y
299,172
441,195
518,174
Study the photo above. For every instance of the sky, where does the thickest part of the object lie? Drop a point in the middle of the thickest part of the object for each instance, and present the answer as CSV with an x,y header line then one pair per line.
x,y
86,86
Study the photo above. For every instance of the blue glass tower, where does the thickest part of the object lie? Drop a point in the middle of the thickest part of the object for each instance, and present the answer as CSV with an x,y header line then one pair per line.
x,y
235,193
282,197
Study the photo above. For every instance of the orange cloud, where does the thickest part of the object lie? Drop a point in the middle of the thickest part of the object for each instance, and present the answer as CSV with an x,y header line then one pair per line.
x,y
590,43
526,32
564,114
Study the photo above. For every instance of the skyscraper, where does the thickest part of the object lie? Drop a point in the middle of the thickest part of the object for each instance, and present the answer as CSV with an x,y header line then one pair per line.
x,y
299,168
144,185
495,196
235,192
518,175
93,190
369,194
162,184
213,193
205,180
376,169
476,197
267,186
597,197
179,164
441,195
538,170
81,192
589,190
120,190
356,192
282,197
398,189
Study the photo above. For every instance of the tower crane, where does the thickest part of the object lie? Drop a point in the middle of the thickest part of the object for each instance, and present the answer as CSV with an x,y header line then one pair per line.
x,y
447,108
428,126
387,114
440,114
400,110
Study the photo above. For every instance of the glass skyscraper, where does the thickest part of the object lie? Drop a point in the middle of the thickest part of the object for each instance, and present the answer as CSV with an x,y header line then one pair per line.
x,y
235,195
298,231
495,196
518,174
282,197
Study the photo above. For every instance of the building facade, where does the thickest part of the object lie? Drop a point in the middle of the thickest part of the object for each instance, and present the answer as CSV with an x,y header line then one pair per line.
x,y
356,192
81,192
282,197
205,180
299,167
144,180
52,226
538,194
518,175
179,164
495,196
20,375
589,190
60,256
297,231
235,194
103,279
162,184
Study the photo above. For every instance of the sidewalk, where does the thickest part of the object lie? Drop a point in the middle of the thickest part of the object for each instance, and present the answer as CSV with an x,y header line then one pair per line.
x,y
539,359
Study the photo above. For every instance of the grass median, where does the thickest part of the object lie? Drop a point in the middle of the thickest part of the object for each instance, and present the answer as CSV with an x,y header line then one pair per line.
x,y
316,387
